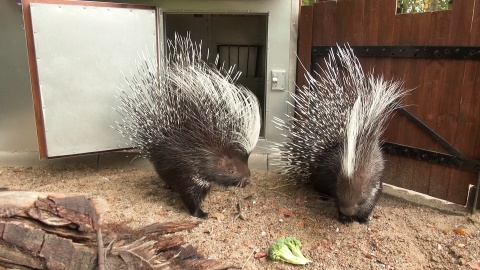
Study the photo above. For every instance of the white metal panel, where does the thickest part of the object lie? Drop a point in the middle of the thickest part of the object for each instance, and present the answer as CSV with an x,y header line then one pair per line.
x,y
80,52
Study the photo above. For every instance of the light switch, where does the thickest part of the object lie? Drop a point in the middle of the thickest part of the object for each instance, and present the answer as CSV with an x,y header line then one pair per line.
x,y
279,79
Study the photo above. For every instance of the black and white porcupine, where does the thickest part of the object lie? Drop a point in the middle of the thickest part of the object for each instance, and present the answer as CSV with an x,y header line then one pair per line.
x,y
335,140
191,120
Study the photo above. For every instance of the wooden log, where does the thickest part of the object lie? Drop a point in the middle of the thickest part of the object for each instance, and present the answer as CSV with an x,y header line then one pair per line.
x,y
48,230
60,230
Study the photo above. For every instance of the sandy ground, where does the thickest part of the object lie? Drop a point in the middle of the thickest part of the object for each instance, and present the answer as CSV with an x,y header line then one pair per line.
x,y
399,235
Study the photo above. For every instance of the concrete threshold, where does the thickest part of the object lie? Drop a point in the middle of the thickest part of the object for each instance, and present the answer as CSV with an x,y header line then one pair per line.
x,y
425,200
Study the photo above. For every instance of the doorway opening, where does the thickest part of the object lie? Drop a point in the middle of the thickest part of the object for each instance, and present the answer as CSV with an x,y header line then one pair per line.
x,y
239,40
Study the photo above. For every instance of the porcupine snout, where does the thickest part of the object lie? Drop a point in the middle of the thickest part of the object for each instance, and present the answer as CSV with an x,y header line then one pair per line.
x,y
348,210
351,213
245,181
357,196
233,170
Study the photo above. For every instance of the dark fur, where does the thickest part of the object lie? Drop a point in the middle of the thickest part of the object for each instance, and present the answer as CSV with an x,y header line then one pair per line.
x,y
191,120
335,142
226,168
363,191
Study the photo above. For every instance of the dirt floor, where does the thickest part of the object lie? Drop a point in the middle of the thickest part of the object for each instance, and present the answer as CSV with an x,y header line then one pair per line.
x,y
398,236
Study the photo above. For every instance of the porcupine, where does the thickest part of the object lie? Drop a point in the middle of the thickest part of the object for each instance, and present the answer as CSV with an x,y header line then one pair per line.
x,y
190,119
335,139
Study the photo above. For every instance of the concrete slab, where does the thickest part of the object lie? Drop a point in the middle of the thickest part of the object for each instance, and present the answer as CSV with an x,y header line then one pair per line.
x,y
22,159
258,162
425,200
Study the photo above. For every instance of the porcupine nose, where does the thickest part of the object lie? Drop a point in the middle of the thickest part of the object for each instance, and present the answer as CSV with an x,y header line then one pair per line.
x,y
347,211
245,181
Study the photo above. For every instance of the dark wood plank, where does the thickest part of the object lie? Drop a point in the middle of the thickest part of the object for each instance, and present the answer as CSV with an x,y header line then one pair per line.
x,y
371,17
386,19
399,71
412,134
467,123
341,22
349,28
433,80
324,20
356,18
385,35
418,95
459,35
371,20
475,109
398,68
305,26
432,76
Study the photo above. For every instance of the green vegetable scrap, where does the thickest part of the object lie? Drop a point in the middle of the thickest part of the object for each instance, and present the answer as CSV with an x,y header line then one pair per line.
x,y
287,249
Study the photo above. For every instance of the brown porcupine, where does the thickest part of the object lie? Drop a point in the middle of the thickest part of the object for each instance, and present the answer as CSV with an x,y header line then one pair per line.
x,y
335,141
190,119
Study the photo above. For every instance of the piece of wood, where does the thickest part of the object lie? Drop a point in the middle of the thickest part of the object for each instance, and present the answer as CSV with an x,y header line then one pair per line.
x,y
48,230
371,18
454,79
305,25
62,231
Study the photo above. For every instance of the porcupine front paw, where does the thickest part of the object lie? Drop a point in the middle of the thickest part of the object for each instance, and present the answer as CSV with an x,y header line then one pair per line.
x,y
199,213
193,200
344,218
349,219
362,220
194,207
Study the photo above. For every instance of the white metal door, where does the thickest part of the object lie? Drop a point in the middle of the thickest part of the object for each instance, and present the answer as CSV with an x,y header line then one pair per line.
x,y
77,53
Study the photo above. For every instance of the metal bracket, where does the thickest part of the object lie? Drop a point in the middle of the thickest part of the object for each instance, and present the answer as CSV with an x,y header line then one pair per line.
x,y
430,52
455,159
447,160
456,162
451,149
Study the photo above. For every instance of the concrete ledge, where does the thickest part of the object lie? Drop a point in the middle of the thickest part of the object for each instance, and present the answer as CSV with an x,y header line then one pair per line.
x,y
425,200
125,159
32,159
258,162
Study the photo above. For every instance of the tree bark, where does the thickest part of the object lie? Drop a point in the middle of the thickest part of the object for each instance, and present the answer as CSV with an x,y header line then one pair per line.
x,y
62,231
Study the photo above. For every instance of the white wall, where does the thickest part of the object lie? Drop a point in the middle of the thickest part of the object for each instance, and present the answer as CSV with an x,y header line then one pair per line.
x,y
17,121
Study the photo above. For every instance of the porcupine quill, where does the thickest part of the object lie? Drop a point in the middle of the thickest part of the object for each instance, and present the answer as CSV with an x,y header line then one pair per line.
x,y
335,141
190,119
